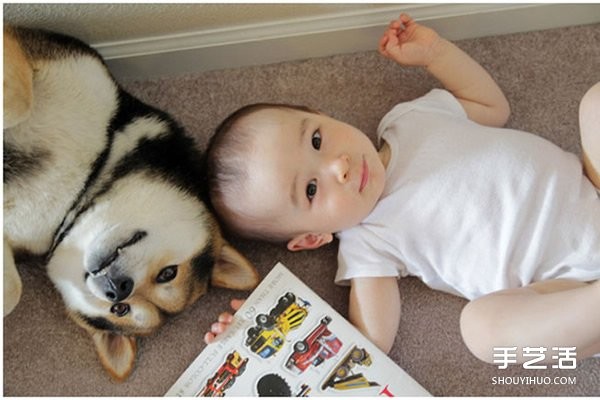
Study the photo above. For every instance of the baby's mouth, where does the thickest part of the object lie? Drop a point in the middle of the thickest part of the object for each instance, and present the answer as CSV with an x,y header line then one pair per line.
x,y
364,176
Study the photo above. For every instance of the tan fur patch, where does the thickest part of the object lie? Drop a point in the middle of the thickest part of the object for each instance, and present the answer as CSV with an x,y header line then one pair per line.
x,y
18,82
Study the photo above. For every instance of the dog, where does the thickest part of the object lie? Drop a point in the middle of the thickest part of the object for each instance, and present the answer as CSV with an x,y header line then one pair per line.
x,y
110,192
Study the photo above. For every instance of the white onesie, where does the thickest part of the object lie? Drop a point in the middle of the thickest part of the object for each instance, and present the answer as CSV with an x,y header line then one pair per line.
x,y
472,209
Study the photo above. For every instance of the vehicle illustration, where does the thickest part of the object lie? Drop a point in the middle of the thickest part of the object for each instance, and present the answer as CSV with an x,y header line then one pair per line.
x,y
304,391
340,378
224,378
320,345
268,336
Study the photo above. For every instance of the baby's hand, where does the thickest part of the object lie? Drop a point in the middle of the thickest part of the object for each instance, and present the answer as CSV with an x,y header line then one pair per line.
x,y
409,43
223,321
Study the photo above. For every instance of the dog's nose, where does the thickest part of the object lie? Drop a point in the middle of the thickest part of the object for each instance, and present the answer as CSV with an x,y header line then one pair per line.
x,y
118,289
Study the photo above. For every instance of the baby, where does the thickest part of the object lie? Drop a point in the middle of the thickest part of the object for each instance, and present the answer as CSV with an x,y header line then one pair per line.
x,y
501,217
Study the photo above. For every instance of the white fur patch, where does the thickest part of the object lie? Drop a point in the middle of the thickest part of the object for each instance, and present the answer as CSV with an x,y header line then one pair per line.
x,y
69,111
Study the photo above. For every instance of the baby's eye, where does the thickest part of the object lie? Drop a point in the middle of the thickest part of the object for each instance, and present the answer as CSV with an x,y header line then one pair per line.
x,y
311,189
316,140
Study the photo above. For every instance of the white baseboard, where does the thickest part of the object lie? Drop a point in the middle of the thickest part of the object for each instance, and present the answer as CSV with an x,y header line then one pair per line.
x,y
304,38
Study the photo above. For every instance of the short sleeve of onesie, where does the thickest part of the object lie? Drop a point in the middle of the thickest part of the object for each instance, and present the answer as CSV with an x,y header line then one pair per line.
x,y
360,256
436,101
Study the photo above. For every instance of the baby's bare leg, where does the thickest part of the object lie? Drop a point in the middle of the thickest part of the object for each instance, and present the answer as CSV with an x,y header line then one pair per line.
x,y
589,125
557,313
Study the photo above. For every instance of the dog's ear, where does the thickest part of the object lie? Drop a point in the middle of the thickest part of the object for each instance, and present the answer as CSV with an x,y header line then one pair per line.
x,y
117,353
233,271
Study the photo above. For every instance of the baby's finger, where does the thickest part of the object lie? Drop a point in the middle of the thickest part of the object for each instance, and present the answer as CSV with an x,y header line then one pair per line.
x,y
236,303
382,43
218,327
405,18
209,337
225,318
392,39
395,24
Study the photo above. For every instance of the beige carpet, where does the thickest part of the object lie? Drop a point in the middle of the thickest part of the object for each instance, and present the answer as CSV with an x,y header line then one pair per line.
x,y
544,74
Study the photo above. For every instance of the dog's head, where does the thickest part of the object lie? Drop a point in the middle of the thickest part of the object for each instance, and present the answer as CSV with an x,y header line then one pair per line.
x,y
129,264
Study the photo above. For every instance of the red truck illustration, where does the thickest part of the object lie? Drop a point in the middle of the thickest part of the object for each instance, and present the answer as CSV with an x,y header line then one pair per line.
x,y
224,378
320,345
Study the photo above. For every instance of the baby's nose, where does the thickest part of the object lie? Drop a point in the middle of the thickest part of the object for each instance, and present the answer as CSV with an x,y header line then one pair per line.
x,y
341,168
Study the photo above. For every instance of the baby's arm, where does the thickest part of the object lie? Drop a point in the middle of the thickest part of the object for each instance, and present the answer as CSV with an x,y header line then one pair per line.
x,y
375,309
409,43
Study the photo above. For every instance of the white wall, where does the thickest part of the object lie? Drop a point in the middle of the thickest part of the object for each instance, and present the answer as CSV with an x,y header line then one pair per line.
x,y
145,40
106,23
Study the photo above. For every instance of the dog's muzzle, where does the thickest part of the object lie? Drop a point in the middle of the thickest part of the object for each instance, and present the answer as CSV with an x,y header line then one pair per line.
x,y
107,280
114,288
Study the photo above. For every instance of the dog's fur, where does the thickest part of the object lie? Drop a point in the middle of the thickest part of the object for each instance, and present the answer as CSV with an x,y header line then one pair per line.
x,y
109,190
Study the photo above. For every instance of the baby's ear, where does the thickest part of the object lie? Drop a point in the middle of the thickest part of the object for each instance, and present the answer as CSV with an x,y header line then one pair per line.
x,y
309,241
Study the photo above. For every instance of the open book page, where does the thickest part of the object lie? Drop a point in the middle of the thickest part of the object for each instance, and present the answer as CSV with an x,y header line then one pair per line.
x,y
286,341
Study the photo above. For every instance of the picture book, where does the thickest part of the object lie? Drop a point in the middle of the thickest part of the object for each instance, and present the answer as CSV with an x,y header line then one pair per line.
x,y
286,341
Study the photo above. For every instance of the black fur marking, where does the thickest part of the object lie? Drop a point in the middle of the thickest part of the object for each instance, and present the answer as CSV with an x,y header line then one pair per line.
x,y
106,260
19,164
202,265
100,323
172,156
169,157
130,109
137,236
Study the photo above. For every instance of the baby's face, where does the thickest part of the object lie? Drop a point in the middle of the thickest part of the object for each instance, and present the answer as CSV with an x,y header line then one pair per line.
x,y
310,173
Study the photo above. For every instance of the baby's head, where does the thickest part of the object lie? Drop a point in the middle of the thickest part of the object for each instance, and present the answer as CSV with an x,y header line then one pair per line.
x,y
287,173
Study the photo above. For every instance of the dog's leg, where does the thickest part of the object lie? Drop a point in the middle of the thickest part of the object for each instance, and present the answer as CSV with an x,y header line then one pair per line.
x,y
12,281
18,82
18,97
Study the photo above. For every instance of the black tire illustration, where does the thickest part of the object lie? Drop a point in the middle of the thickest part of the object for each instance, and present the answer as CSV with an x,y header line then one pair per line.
x,y
282,304
342,372
357,355
252,335
273,385
265,321
301,347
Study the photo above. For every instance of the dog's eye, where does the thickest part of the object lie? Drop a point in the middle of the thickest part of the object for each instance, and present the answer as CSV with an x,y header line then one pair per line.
x,y
120,309
167,274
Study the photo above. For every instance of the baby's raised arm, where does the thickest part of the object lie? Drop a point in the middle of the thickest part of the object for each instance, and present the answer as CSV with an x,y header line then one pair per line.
x,y
409,43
